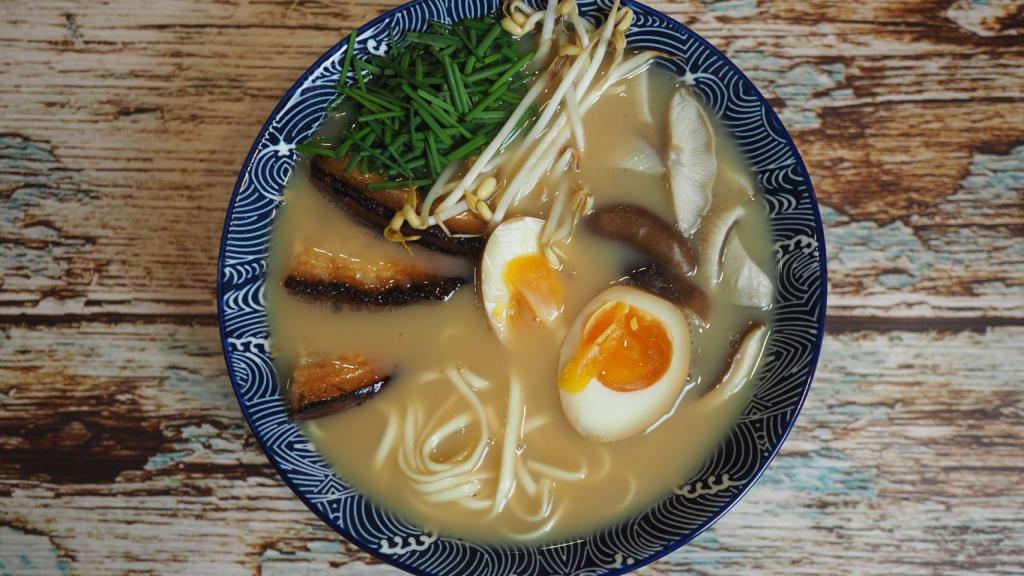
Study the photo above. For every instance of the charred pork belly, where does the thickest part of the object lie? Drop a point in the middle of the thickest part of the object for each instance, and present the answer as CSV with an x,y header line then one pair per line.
x,y
324,387
319,275
376,208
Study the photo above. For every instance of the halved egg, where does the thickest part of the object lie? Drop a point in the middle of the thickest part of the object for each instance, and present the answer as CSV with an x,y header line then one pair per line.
x,y
516,280
623,363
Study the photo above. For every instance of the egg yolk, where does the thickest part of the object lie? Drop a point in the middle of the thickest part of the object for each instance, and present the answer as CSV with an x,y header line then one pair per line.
x,y
533,287
623,347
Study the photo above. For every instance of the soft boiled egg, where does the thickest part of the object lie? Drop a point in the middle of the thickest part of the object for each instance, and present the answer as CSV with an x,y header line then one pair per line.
x,y
623,363
516,280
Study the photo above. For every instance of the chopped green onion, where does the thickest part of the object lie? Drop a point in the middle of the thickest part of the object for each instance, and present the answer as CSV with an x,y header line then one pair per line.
x,y
468,148
437,96
347,63
380,115
483,104
432,156
435,100
515,67
391,184
492,34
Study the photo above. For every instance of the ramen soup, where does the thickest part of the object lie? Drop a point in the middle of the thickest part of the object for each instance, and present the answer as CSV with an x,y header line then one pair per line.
x,y
529,335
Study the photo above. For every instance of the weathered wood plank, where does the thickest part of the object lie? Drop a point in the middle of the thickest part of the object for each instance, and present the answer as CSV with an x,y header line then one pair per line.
x,y
124,125
124,129
905,460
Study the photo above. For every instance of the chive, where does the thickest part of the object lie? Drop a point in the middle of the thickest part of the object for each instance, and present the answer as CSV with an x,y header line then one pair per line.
x,y
416,163
487,72
451,83
424,113
437,96
371,137
529,113
391,184
465,41
400,141
368,67
494,95
480,25
368,151
510,98
384,99
376,98
347,63
351,163
413,155
433,112
398,159
515,67
492,57
304,148
380,115
435,100
435,40
467,148
491,115
492,34
366,102
435,162
461,94
359,73
343,149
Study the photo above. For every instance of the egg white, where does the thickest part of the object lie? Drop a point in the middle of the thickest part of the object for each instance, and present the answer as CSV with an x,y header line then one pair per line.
x,y
512,238
606,415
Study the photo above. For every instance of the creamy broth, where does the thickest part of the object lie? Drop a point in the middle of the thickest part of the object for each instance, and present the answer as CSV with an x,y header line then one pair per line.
x,y
415,341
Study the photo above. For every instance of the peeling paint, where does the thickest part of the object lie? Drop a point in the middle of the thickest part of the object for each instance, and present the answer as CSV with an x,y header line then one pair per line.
x,y
992,191
824,472
987,17
201,444
731,8
864,247
970,234
24,554
32,181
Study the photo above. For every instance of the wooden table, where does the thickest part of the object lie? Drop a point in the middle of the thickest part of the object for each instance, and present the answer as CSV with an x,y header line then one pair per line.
x,y
122,128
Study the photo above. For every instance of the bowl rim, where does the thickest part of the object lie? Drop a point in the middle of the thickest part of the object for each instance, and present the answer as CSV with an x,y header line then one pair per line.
x,y
711,519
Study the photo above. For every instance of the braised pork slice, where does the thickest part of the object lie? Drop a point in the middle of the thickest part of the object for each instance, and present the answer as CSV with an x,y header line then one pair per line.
x,y
376,207
319,275
323,387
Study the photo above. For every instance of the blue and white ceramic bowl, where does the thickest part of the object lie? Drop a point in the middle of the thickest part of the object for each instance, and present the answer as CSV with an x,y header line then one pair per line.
x,y
792,350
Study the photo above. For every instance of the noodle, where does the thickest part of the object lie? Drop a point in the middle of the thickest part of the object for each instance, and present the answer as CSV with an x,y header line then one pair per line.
x,y
523,475
556,473
386,442
506,474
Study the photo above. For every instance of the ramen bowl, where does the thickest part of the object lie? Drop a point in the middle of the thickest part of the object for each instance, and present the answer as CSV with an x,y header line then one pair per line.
x,y
790,357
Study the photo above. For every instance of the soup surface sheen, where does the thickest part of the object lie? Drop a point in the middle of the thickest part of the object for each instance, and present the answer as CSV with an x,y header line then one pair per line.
x,y
621,477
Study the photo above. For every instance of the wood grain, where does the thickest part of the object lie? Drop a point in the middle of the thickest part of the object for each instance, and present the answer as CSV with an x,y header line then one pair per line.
x,y
122,128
